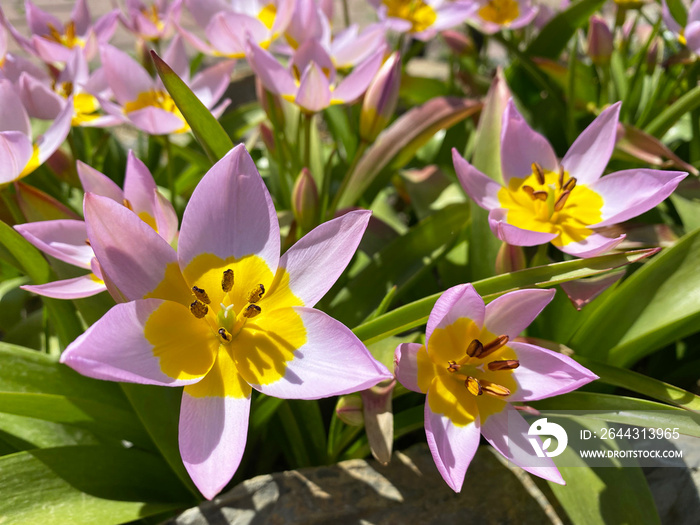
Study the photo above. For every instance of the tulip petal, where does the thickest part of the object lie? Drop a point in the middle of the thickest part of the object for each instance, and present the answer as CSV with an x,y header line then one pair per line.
x,y
591,151
156,121
52,139
314,93
13,116
136,259
151,342
507,431
210,84
76,288
125,76
331,360
316,261
15,152
166,217
64,239
523,146
214,426
543,373
406,365
594,244
356,83
98,183
481,188
513,312
457,302
452,446
38,98
230,214
274,76
629,193
39,20
514,235
139,188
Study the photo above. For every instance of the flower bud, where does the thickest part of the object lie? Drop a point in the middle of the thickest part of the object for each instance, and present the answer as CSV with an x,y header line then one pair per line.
x,y
271,104
349,410
305,200
510,259
459,43
268,137
656,49
600,41
381,98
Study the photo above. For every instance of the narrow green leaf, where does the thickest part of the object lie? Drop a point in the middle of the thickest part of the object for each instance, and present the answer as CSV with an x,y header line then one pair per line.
x,y
648,311
27,433
62,314
398,262
672,114
205,127
86,485
416,313
553,37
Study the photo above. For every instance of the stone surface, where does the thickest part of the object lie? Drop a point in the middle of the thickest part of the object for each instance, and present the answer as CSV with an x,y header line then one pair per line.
x,y
408,490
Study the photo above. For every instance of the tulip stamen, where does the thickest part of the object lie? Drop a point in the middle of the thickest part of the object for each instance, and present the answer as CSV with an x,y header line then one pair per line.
x,y
539,173
251,311
475,348
494,345
199,309
201,295
224,336
494,389
561,201
227,280
256,293
570,184
508,364
474,386
453,366
127,204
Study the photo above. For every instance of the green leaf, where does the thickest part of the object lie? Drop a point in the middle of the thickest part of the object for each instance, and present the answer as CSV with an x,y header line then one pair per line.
x,y
602,495
35,385
552,39
397,145
205,127
28,259
86,485
27,433
399,262
648,311
158,408
672,114
678,12
416,313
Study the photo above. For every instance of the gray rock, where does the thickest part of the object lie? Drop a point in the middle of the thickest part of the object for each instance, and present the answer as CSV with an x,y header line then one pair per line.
x,y
408,490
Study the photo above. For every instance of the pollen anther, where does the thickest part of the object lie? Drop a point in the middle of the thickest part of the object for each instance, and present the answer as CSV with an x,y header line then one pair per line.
x,y
224,335
453,366
475,348
127,204
494,389
256,294
509,364
201,295
473,385
199,309
227,280
570,184
494,345
561,201
540,195
539,172
251,311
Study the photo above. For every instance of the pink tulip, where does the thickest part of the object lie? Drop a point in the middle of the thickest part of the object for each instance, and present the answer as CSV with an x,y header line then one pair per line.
x,y
223,315
471,370
563,202
423,19
491,16
152,22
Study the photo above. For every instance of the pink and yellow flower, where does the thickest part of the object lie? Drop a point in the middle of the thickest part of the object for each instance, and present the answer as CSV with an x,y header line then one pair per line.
x,y
67,239
152,22
20,154
423,19
563,202
223,315
490,16
144,102
689,34
471,370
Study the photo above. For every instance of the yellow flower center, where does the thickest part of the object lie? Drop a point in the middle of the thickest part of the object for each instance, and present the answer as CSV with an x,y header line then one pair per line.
x,y
68,39
85,106
159,99
418,13
152,14
550,202
500,12
267,15
466,372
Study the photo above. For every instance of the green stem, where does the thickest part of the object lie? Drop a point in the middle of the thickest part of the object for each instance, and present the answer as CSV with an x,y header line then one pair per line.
x,y
540,258
346,13
694,118
347,437
308,119
325,186
571,94
348,176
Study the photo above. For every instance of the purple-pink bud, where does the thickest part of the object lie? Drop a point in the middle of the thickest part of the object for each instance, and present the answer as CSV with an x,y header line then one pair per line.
x,y
305,200
459,43
600,41
381,98
510,259
268,137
